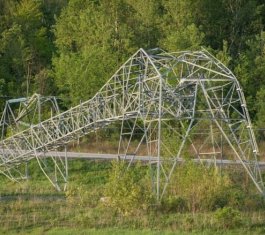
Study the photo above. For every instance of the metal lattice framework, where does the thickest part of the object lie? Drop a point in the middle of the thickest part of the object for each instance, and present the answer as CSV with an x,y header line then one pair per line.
x,y
21,113
180,105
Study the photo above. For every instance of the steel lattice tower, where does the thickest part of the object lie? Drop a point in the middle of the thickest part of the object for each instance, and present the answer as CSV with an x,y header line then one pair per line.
x,y
180,105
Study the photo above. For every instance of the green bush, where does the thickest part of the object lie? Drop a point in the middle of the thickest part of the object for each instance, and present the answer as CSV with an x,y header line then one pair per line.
x,y
128,190
227,218
219,200
199,186
227,196
254,202
174,204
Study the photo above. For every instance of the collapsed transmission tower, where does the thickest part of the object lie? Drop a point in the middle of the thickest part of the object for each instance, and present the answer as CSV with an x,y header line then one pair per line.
x,y
21,113
180,105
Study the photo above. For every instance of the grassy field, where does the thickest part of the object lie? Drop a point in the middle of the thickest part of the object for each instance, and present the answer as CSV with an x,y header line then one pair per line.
x,y
34,207
64,231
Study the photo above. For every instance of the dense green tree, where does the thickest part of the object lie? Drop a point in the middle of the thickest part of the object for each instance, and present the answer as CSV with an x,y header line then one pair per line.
x,y
145,22
15,59
26,48
179,29
92,39
71,47
250,71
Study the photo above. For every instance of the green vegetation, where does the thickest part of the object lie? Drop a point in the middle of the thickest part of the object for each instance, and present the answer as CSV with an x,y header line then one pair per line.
x,y
69,48
102,198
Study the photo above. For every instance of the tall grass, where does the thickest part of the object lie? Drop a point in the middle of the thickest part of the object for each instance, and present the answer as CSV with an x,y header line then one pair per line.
x,y
35,206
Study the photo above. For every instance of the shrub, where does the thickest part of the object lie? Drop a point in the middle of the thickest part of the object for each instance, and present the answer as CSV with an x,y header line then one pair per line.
x,y
254,202
227,196
127,189
79,195
174,204
227,218
199,186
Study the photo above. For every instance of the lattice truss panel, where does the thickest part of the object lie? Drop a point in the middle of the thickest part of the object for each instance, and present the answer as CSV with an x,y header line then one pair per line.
x,y
20,114
174,105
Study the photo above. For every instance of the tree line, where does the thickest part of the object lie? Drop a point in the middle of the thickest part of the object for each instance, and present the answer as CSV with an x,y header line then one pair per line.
x,y
69,48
